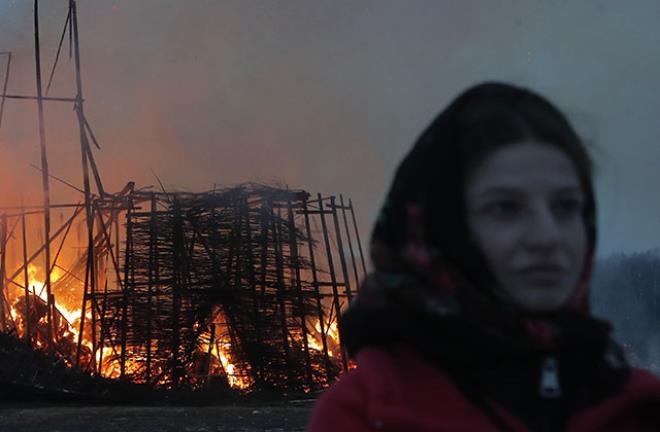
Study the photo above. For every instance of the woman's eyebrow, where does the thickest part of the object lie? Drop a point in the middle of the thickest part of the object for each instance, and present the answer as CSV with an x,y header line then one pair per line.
x,y
516,191
569,190
501,190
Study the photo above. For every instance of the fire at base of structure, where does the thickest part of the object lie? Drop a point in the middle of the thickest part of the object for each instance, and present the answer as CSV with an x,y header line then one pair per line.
x,y
236,288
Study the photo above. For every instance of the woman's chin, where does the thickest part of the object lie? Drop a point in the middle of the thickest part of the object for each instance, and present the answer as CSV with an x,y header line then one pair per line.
x,y
541,300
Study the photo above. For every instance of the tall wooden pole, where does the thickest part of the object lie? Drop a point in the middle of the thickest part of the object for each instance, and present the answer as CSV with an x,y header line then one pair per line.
x,y
357,236
44,175
90,279
319,304
4,86
28,329
340,248
348,237
88,158
3,263
295,263
331,269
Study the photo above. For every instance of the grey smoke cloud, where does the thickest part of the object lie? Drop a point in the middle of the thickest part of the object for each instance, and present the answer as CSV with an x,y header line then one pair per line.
x,y
328,96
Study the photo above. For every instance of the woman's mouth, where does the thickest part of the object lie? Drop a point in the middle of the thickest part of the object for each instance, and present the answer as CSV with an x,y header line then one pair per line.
x,y
543,275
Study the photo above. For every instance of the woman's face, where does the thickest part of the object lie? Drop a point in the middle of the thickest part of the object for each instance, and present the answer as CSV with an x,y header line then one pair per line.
x,y
524,206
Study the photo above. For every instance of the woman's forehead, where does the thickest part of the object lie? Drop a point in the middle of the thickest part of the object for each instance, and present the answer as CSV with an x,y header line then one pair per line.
x,y
523,166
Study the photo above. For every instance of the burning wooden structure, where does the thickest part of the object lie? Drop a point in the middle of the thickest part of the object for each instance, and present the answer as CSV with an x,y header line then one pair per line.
x,y
239,287
234,288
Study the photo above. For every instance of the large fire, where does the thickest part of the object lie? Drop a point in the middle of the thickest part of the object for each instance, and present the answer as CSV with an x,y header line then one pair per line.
x,y
237,287
31,312
29,309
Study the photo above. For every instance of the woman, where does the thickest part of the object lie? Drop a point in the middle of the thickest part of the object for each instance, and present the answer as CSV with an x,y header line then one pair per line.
x,y
476,316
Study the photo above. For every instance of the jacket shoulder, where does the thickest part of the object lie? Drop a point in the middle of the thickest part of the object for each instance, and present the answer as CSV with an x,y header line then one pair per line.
x,y
396,389
341,407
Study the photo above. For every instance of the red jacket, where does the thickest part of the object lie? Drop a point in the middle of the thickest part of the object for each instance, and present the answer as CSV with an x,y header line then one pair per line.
x,y
397,390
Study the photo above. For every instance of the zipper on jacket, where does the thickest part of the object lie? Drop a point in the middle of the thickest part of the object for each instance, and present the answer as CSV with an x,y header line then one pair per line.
x,y
550,388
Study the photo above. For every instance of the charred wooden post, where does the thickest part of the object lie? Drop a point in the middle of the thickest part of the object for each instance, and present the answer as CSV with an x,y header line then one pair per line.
x,y
90,272
232,276
302,310
135,302
319,299
93,364
4,86
280,290
357,236
26,280
256,312
128,262
87,296
340,249
350,243
152,278
86,152
3,270
178,285
45,179
263,281
331,268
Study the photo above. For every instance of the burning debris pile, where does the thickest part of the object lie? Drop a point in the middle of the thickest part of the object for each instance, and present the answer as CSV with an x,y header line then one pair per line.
x,y
237,288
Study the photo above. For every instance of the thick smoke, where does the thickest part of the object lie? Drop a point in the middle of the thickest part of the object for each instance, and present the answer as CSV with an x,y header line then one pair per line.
x,y
325,96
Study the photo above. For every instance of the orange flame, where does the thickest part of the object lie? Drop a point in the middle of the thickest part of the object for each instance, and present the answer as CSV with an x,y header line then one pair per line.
x,y
218,351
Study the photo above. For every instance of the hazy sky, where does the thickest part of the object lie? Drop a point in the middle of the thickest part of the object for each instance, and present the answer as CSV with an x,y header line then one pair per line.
x,y
329,95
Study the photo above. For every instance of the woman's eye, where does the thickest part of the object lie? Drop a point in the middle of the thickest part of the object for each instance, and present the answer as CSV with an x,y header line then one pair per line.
x,y
568,207
503,209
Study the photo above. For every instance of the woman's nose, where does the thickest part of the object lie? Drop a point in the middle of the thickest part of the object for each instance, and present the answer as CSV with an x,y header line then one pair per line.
x,y
543,231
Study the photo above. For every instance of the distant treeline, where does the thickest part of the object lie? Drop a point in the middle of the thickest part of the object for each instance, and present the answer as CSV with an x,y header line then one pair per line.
x,y
626,291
